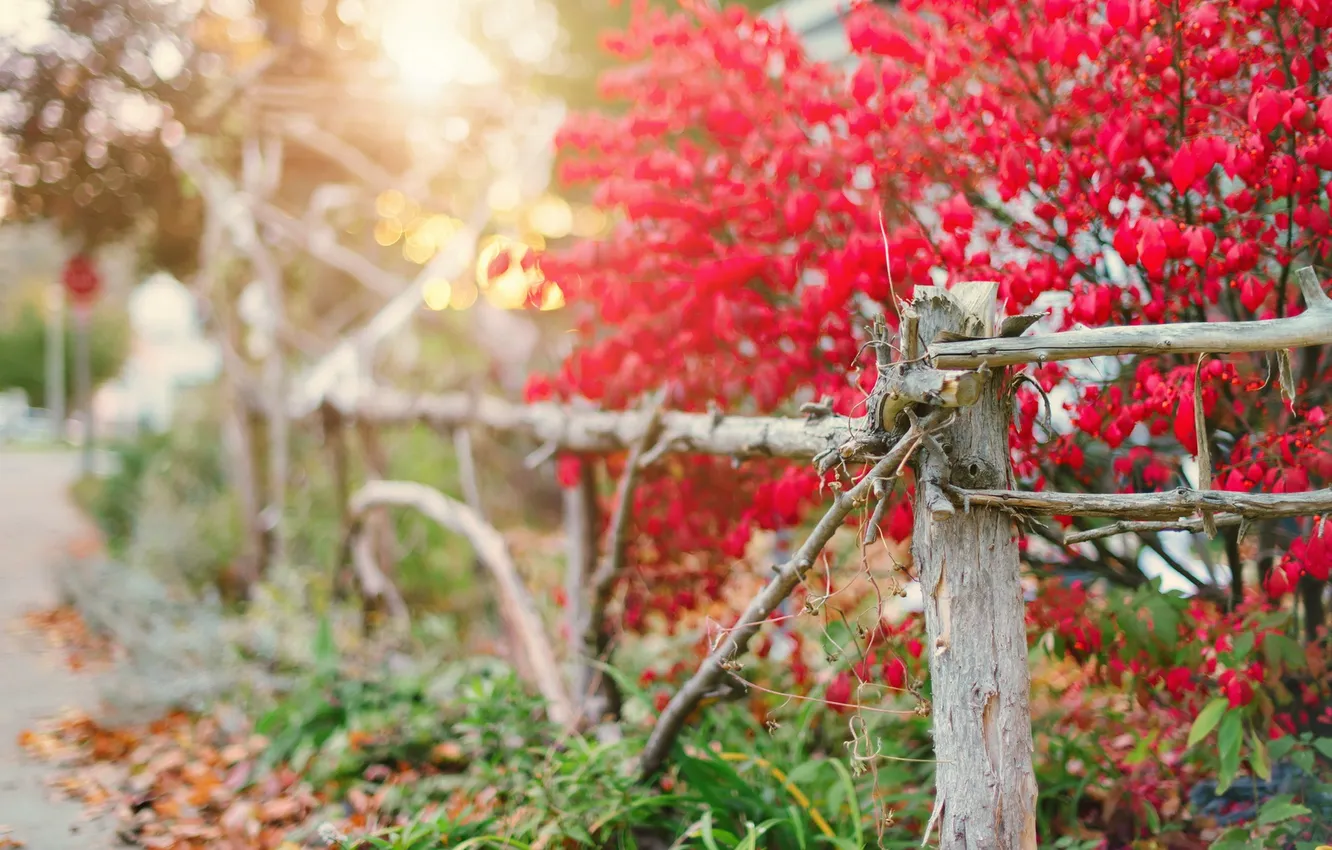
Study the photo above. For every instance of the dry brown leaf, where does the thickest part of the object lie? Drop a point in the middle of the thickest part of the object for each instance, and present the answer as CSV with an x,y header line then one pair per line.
x,y
283,808
358,800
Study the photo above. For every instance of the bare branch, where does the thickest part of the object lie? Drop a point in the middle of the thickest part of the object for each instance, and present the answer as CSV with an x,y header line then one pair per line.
x,y
1312,327
373,582
600,431
306,132
471,486
1147,526
504,335
1172,505
713,669
516,603
594,641
324,246
360,535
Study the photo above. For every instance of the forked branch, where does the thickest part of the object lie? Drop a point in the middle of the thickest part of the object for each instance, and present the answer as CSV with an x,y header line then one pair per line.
x,y
713,670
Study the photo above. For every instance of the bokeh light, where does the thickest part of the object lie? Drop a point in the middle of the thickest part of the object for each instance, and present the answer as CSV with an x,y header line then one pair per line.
x,y
437,293
551,216
388,231
464,295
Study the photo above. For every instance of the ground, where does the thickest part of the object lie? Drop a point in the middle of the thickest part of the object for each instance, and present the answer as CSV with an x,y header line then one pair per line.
x,y
37,525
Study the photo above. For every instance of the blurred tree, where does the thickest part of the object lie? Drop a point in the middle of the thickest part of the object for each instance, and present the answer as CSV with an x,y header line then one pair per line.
x,y
23,347
90,93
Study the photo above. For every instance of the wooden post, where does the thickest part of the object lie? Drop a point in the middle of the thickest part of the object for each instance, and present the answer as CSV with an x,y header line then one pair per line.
x,y
237,437
83,379
581,526
261,167
968,566
55,361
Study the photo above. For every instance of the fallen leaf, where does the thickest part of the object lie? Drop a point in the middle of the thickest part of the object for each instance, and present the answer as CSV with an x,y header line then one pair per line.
x,y
283,808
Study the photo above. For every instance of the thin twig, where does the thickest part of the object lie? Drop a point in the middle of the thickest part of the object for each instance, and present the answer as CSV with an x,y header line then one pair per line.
x,y
1144,526
788,575
1204,446
471,487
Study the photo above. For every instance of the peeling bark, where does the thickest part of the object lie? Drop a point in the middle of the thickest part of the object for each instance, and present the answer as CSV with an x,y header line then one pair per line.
x,y
968,564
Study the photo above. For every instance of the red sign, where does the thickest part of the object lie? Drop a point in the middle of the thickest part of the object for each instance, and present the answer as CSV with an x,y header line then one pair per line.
x,y
81,279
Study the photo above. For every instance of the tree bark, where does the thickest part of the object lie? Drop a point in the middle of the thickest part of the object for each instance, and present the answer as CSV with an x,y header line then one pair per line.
x,y
974,617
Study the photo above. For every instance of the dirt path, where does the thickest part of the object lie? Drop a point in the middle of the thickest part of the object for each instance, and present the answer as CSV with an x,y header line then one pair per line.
x,y
36,523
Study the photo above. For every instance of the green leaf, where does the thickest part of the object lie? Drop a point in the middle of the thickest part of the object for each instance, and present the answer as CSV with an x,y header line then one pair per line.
x,y
1165,621
1280,809
1142,750
1153,818
1229,739
1278,648
1237,842
1324,746
1207,719
325,648
1261,764
706,832
1243,645
797,819
852,798
1304,760
1281,747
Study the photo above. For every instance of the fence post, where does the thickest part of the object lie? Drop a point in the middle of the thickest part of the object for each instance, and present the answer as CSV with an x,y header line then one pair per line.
x,y
967,561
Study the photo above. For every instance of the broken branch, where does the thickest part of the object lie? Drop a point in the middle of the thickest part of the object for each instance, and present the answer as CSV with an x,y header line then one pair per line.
x,y
898,389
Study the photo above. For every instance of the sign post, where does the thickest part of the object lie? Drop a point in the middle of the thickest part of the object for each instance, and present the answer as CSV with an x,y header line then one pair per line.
x,y
82,283
54,400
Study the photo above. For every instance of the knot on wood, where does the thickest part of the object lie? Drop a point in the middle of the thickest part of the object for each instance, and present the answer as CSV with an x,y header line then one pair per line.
x,y
975,473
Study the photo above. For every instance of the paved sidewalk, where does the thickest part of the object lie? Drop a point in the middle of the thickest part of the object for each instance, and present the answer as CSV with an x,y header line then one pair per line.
x,y
36,523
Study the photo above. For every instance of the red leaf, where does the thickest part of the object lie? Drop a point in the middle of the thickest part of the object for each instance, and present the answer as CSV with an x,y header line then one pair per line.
x,y
1182,172
864,84
1152,248
1118,13
1185,431
1126,241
